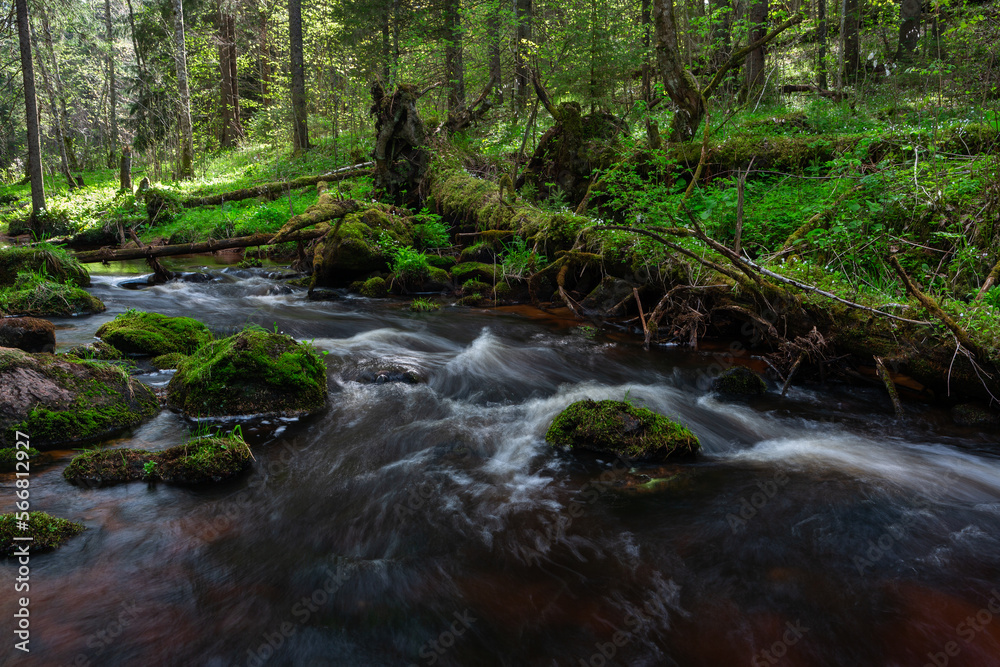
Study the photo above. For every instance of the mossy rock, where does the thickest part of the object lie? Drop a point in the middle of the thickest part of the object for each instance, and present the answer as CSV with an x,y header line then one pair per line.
x,y
254,372
153,334
9,457
975,415
47,532
476,300
32,298
361,244
487,273
200,461
168,361
622,429
98,351
475,286
374,288
58,265
60,400
740,381
441,261
478,252
437,278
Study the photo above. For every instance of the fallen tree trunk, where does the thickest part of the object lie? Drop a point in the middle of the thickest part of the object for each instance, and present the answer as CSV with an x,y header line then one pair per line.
x,y
121,254
277,187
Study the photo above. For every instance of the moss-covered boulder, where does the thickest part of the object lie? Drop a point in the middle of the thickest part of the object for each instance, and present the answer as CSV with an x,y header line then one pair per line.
x,y
254,372
199,461
621,429
487,273
975,415
374,288
57,265
47,532
168,361
30,334
363,243
9,456
60,400
32,296
740,381
153,334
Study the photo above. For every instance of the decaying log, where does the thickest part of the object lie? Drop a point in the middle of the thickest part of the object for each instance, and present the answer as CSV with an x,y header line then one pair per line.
x,y
890,386
324,210
401,160
278,187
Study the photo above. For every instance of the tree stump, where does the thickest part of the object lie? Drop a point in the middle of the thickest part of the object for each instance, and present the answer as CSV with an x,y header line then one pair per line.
x,y
400,157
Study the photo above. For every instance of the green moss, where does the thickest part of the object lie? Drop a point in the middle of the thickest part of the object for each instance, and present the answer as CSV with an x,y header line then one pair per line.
x,y
167,361
199,461
740,381
30,296
622,429
98,350
80,401
423,305
9,457
374,288
47,532
138,332
54,262
441,261
438,275
475,286
252,372
487,273
474,300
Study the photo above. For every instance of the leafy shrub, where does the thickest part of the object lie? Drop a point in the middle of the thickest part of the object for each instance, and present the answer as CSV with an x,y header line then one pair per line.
x,y
430,231
409,264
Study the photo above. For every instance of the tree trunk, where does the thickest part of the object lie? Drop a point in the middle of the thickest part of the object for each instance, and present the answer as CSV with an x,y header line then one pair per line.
x,y
852,53
125,170
299,114
754,68
184,169
821,65
30,111
493,27
680,85
454,65
721,28
112,85
60,94
909,30
522,79
264,58
232,129
56,120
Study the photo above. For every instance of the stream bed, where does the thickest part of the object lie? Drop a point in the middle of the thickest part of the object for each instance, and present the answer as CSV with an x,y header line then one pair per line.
x,y
428,523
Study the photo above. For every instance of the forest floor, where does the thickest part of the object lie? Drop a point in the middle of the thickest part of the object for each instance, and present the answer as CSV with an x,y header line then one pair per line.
x,y
823,193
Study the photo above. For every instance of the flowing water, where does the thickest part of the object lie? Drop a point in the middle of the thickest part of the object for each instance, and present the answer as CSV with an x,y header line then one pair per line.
x,y
429,524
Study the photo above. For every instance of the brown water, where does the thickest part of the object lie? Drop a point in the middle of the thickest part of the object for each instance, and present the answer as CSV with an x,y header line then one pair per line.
x,y
429,524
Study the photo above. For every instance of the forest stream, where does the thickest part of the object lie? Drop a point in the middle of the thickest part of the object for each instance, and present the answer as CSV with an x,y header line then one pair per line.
x,y
428,523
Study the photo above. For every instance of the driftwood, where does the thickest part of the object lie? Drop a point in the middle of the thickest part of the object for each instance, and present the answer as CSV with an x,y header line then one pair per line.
x,y
890,386
991,280
277,187
120,254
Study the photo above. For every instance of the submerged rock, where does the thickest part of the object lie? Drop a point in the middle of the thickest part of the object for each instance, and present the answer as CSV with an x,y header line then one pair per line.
x,y
153,334
197,462
27,333
622,429
254,372
740,381
975,415
47,532
376,371
60,400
